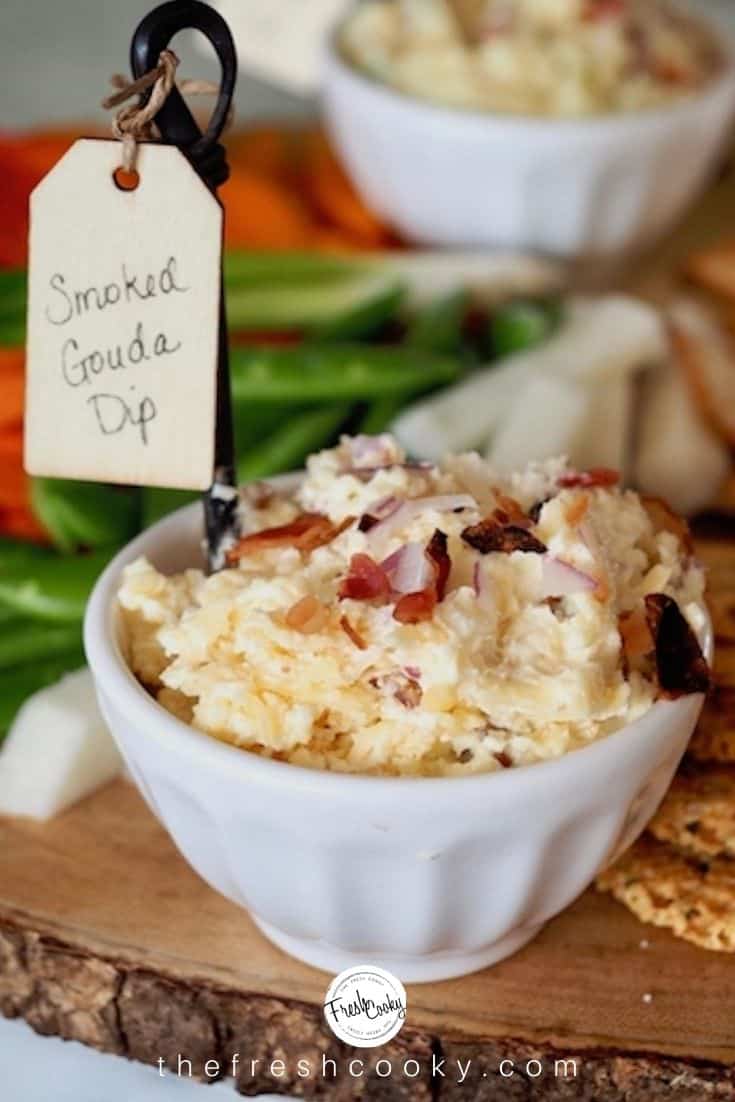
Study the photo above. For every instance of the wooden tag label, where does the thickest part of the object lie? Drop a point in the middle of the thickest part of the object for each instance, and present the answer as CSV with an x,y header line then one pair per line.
x,y
123,311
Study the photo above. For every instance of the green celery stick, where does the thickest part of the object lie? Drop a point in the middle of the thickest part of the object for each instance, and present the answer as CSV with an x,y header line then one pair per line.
x,y
289,446
380,414
364,319
280,270
523,324
85,514
32,641
52,588
157,503
336,372
438,327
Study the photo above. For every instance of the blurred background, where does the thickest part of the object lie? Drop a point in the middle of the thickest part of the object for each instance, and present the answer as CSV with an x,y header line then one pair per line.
x,y
56,60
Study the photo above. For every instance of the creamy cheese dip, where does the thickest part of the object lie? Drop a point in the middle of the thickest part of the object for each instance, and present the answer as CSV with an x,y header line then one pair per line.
x,y
533,57
402,619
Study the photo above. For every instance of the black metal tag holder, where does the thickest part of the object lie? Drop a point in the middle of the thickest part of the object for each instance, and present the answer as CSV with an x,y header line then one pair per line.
x,y
207,155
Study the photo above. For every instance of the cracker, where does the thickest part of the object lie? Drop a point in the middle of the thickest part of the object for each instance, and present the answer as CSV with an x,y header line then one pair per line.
x,y
714,269
705,352
698,814
714,739
694,899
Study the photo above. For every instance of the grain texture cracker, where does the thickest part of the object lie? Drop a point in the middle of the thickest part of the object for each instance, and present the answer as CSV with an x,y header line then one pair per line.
x,y
698,814
694,899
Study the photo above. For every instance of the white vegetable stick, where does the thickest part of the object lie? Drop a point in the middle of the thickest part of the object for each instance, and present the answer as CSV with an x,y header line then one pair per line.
x,y
678,458
464,416
603,338
600,339
57,751
605,439
544,421
491,277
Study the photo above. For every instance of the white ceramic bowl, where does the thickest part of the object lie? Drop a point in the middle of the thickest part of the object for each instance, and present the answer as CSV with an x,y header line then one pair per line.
x,y
591,188
430,878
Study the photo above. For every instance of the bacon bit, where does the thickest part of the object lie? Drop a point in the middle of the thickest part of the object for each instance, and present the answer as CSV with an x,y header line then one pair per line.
x,y
488,536
509,511
503,759
305,533
635,634
352,633
671,73
576,512
603,9
366,580
602,590
260,495
664,519
681,666
439,556
406,690
367,521
409,695
597,477
307,616
414,608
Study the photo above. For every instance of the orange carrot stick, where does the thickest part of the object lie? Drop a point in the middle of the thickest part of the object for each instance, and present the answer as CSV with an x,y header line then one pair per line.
x,y
12,386
263,214
13,480
334,197
268,150
21,524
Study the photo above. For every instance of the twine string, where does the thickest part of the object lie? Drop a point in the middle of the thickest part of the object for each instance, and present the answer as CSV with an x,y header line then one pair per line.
x,y
134,123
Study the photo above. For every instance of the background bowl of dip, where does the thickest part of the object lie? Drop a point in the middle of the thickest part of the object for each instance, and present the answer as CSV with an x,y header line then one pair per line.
x,y
428,877
575,187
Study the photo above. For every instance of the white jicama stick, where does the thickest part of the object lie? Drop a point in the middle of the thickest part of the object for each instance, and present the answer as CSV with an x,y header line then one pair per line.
x,y
490,277
462,417
57,752
679,458
600,339
544,421
603,338
606,436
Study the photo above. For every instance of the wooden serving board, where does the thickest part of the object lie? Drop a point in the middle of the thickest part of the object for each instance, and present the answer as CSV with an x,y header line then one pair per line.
x,y
107,937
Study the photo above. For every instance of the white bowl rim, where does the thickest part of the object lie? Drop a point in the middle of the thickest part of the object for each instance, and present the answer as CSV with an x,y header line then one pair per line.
x,y
118,681
475,119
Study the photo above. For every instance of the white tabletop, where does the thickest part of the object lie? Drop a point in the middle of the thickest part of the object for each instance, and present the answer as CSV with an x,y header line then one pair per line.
x,y
48,1070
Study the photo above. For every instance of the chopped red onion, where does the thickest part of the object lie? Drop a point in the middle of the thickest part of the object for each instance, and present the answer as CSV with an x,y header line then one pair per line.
x,y
408,569
372,451
443,503
560,579
365,474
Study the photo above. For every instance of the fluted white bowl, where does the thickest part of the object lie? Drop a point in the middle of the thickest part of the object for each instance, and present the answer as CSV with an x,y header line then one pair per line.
x,y
430,878
587,188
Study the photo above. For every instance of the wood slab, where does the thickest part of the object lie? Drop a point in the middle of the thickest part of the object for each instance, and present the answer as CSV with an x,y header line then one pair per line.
x,y
108,937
